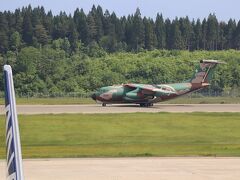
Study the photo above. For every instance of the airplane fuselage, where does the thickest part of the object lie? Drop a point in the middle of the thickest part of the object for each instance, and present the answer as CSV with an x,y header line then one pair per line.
x,y
139,94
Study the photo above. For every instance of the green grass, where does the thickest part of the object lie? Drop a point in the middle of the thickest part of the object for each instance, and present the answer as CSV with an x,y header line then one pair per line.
x,y
204,100
52,101
71,100
120,135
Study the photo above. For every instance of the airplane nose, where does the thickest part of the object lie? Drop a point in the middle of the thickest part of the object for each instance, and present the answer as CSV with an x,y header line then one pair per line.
x,y
94,97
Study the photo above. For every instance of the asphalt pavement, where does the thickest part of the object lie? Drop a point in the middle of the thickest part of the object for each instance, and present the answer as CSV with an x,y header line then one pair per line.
x,y
179,168
128,108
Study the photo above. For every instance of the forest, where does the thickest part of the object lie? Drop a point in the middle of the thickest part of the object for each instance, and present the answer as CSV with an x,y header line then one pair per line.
x,y
52,70
35,27
60,54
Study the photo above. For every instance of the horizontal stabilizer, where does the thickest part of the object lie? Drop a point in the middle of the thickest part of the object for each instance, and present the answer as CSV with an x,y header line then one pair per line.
x,y
212,61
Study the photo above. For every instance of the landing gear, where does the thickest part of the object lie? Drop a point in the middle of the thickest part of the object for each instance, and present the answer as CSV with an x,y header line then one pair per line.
x,y
142,104
146,104
104,104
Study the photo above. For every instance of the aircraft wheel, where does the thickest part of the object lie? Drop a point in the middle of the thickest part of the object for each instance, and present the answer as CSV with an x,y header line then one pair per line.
x,y
148,104
103,104
142,104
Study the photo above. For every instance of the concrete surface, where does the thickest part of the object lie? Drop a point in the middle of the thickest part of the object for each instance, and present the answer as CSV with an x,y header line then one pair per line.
x,y
194,168
57,109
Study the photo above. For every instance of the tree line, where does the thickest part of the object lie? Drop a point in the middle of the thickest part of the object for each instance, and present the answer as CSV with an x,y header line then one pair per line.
x,y
36,27
52,70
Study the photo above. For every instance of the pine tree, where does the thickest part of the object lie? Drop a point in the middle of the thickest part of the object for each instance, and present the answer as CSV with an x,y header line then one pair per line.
x,y
150,38
176,37
186,32
204,34
231,27
160,32
27,29
221,38
60,26
168,27
73,36
35,17
48,23
118,27
212,32
108,24
3,33
99,22
198,35
80,20
92,28
18,21
3,22
11,22
138,31
237,37
41,34
129,32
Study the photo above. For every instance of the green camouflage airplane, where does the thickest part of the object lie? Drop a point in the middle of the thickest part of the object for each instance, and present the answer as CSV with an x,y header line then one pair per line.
x,y
145,95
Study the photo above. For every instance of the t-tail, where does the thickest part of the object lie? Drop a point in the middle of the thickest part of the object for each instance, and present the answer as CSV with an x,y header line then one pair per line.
x,y
13,145
204,72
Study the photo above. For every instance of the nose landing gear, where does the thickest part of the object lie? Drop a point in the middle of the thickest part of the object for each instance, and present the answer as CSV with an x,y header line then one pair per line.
x,y
94,97
104,104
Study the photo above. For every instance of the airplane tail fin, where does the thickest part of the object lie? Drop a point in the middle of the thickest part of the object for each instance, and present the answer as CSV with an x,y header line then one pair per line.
x,y
203,73
13,145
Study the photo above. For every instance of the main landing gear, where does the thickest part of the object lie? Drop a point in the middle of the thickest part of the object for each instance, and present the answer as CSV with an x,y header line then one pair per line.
x,y
104,104
146,104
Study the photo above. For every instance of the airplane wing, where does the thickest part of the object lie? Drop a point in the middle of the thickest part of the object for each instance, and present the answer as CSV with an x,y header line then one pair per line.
x,y
14,155
149,89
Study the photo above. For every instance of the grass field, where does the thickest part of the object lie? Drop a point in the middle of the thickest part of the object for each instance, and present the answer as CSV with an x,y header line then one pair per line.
x,y
52,101
120,135
204,100
181,100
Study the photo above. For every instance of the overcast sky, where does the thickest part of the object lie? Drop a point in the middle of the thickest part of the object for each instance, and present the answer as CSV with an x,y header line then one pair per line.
x,y
224,9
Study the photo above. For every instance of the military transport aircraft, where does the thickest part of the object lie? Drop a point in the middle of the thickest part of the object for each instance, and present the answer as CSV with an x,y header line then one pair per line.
x,y
145,94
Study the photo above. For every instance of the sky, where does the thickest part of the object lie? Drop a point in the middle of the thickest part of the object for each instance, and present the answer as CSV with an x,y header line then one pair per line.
x,y
224,9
